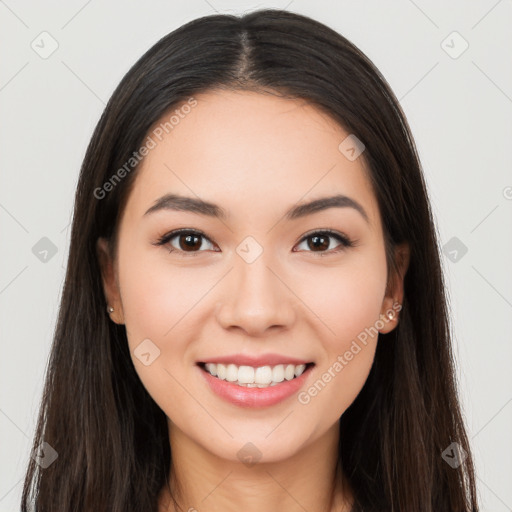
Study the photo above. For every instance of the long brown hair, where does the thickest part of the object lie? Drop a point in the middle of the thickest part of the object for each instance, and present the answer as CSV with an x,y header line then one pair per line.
x,y
110,436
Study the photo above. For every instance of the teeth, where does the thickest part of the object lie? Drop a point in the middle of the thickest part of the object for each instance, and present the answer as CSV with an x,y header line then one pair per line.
x,y
263,375
212,368
231,373
245,374
289,372
221,371
260,377
278,373
299,370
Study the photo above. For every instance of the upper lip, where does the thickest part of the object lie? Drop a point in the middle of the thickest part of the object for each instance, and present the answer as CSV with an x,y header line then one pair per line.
x,y
255,361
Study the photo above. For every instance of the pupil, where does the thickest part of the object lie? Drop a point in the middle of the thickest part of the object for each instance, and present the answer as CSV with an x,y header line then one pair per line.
x,y
315,241
188,239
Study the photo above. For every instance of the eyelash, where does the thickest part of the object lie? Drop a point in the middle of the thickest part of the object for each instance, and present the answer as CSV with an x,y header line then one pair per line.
x,y
344,240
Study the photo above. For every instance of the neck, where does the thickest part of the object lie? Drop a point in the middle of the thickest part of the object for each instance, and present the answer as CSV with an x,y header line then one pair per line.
x,y
310,479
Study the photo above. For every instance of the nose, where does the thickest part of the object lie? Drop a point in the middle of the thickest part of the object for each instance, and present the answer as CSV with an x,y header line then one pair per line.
x,y
256,298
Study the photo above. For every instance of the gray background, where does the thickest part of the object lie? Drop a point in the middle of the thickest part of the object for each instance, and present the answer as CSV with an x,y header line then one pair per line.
x,y
458,103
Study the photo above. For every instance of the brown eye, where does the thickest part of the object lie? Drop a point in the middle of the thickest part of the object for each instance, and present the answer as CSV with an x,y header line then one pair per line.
x,y
184,241
320,242
189,242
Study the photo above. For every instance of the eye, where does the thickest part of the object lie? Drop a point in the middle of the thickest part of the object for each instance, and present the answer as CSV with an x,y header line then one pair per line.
x,y
188,241
191,241
320,240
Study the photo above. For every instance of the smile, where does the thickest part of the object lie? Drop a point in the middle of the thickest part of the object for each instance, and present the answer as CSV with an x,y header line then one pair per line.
x,y
252,377
267,386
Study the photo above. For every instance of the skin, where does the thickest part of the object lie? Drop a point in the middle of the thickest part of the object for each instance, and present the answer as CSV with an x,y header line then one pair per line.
x,y
255,155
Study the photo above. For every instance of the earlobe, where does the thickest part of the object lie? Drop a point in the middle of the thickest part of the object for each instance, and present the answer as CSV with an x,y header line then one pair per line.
x,y
110,287
389,317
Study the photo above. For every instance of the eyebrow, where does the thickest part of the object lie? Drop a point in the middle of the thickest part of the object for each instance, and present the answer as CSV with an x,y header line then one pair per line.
x,y
195,205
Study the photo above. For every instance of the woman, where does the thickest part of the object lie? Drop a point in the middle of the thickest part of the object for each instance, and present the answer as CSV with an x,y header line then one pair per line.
x,y
254,314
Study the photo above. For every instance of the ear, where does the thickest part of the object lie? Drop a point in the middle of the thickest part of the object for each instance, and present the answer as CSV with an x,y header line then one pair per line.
x,y
109,280
393,299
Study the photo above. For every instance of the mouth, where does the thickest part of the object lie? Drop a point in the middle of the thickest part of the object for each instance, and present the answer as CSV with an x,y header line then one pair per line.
x,y
255,377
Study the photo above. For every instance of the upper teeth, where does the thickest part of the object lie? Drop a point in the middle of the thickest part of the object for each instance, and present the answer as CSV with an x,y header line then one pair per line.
x,y
261,377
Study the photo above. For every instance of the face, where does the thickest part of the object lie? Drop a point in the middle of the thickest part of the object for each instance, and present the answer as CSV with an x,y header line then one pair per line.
x,y
247,280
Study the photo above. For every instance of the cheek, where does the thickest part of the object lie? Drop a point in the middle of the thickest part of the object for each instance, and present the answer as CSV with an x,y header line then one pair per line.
x,y
156,296
158,301
347,299
153,302
348,302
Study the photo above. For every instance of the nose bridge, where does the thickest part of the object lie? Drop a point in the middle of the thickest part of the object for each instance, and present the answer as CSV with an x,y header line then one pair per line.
x,y
255,298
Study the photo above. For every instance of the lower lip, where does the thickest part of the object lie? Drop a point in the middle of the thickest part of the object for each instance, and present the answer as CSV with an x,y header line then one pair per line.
x,y
255,397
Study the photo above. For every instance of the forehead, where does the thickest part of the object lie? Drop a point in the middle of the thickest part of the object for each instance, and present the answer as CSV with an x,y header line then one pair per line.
x,y
249,151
